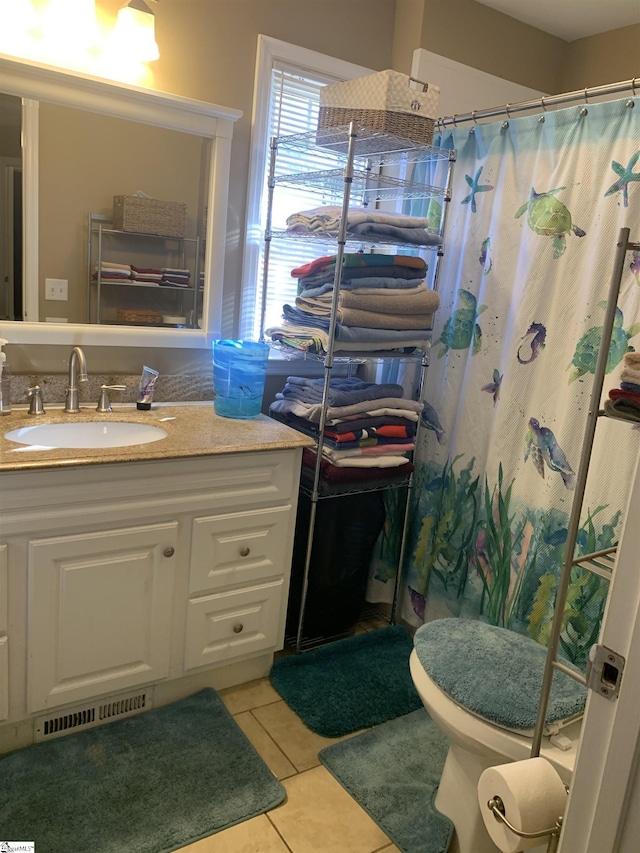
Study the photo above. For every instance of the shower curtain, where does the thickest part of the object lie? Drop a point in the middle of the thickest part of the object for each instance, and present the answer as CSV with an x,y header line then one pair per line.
x,y
537,205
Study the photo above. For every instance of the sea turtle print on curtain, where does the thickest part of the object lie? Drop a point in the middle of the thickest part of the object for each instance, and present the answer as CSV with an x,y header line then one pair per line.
x,y
511,373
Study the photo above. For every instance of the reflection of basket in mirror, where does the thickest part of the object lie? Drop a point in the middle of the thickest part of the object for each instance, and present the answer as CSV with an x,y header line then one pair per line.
x,y
139,317
149,216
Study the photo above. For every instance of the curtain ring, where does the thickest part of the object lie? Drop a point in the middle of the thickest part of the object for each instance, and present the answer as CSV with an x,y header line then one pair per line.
x,y
542,104
633,86
473,116
453,119
586,98
506,109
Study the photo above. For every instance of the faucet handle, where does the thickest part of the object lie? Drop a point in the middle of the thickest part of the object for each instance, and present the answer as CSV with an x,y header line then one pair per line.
x,y
104,404
36,406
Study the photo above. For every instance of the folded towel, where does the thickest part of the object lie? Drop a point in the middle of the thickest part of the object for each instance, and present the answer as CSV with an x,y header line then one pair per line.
x,y
623,394
378,283
370,462
147,270
373,452
327,218
334,474
393,233
350,274
342,392
375,320
361,434
311,412
108,265
628,374
313,340
622,409
632,359
415,301
359,259
357,298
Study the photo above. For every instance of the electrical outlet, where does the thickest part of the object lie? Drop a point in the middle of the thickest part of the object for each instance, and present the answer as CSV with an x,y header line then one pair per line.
x,y
56,288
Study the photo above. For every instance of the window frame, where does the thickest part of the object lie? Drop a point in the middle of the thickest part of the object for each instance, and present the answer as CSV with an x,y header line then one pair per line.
x,y
269,52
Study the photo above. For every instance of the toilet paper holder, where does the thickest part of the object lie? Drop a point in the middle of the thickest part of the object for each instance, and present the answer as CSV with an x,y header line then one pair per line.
x,y
496,805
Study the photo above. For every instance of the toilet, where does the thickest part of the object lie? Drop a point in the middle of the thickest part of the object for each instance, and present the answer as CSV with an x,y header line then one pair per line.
x,y
450,651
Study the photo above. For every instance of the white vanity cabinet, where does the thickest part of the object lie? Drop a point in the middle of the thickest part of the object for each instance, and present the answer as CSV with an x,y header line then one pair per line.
x,y
4,639
116,576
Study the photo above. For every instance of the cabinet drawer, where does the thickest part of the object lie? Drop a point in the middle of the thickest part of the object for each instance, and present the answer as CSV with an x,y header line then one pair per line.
x,y
235,549
233,624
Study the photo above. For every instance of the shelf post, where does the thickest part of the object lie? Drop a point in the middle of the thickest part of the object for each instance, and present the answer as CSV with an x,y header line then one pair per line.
x,y
581,480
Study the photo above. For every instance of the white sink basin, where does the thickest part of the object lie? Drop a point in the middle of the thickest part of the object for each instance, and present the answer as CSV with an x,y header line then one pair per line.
x,y
86,434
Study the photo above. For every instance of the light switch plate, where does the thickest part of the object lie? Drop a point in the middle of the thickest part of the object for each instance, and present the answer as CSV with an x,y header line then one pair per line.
x,y
56,288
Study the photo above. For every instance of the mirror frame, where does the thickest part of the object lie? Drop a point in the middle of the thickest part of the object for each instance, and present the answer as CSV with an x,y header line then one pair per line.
x,y
34,83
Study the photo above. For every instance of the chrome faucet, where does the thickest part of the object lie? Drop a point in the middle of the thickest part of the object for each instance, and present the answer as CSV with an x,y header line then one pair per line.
x,y
76,363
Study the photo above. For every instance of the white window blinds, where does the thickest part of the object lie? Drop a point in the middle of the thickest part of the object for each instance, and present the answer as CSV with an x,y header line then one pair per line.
x,y
293,108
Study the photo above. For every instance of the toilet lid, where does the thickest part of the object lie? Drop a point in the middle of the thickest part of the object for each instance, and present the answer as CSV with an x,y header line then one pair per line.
x,y
495,673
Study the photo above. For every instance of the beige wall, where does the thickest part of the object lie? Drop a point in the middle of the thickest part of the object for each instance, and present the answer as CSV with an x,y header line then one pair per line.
x,y
607,58
407,33
208,50
478,36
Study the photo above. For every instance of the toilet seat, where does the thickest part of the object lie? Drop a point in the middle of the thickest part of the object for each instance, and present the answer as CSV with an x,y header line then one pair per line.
x,y
496,674
484,738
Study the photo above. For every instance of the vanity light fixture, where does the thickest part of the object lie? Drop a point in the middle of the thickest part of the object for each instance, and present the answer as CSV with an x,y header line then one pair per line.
x,y
135,31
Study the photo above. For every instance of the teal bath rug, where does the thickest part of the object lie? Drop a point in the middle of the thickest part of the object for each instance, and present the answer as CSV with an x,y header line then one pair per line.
x,y
393,772
150,784
351,684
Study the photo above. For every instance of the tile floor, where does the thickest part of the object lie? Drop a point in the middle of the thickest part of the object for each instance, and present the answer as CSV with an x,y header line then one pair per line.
x,y
318,815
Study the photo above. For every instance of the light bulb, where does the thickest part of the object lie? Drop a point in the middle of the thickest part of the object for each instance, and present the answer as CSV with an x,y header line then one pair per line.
x,y
134,32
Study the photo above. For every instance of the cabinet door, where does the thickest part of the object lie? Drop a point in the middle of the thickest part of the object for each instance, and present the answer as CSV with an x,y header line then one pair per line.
x,y
4,640
233,549
233,624
100,606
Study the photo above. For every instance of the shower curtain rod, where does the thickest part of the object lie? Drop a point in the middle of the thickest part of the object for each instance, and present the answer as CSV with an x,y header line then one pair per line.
x,y
544,102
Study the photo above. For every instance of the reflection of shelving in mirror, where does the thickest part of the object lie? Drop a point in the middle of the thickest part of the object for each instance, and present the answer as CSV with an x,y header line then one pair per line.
x,y
142,279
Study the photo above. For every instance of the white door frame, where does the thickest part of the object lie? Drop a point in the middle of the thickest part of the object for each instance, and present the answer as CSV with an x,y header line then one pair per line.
x,y
606,773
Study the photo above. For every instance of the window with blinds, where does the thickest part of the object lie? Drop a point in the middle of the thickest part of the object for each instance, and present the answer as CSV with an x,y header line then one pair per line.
x,y
293,108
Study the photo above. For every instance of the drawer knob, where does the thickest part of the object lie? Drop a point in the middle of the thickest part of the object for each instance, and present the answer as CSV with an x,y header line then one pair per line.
x,y
237,629
245,551
169,552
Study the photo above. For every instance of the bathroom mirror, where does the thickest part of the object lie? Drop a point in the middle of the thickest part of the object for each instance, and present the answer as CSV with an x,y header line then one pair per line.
x,y
84,141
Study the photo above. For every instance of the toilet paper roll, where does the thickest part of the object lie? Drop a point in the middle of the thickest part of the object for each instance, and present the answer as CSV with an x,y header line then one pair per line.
x,y
533,796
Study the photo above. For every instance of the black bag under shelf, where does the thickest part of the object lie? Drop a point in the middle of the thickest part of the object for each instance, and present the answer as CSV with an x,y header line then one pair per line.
x,y
346,530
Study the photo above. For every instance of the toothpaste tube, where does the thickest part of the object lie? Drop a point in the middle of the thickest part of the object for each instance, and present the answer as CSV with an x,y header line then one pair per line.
x,y
147,385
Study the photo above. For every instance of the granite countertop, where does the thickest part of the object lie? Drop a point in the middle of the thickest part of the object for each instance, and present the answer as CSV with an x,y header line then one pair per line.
x,y
193,429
